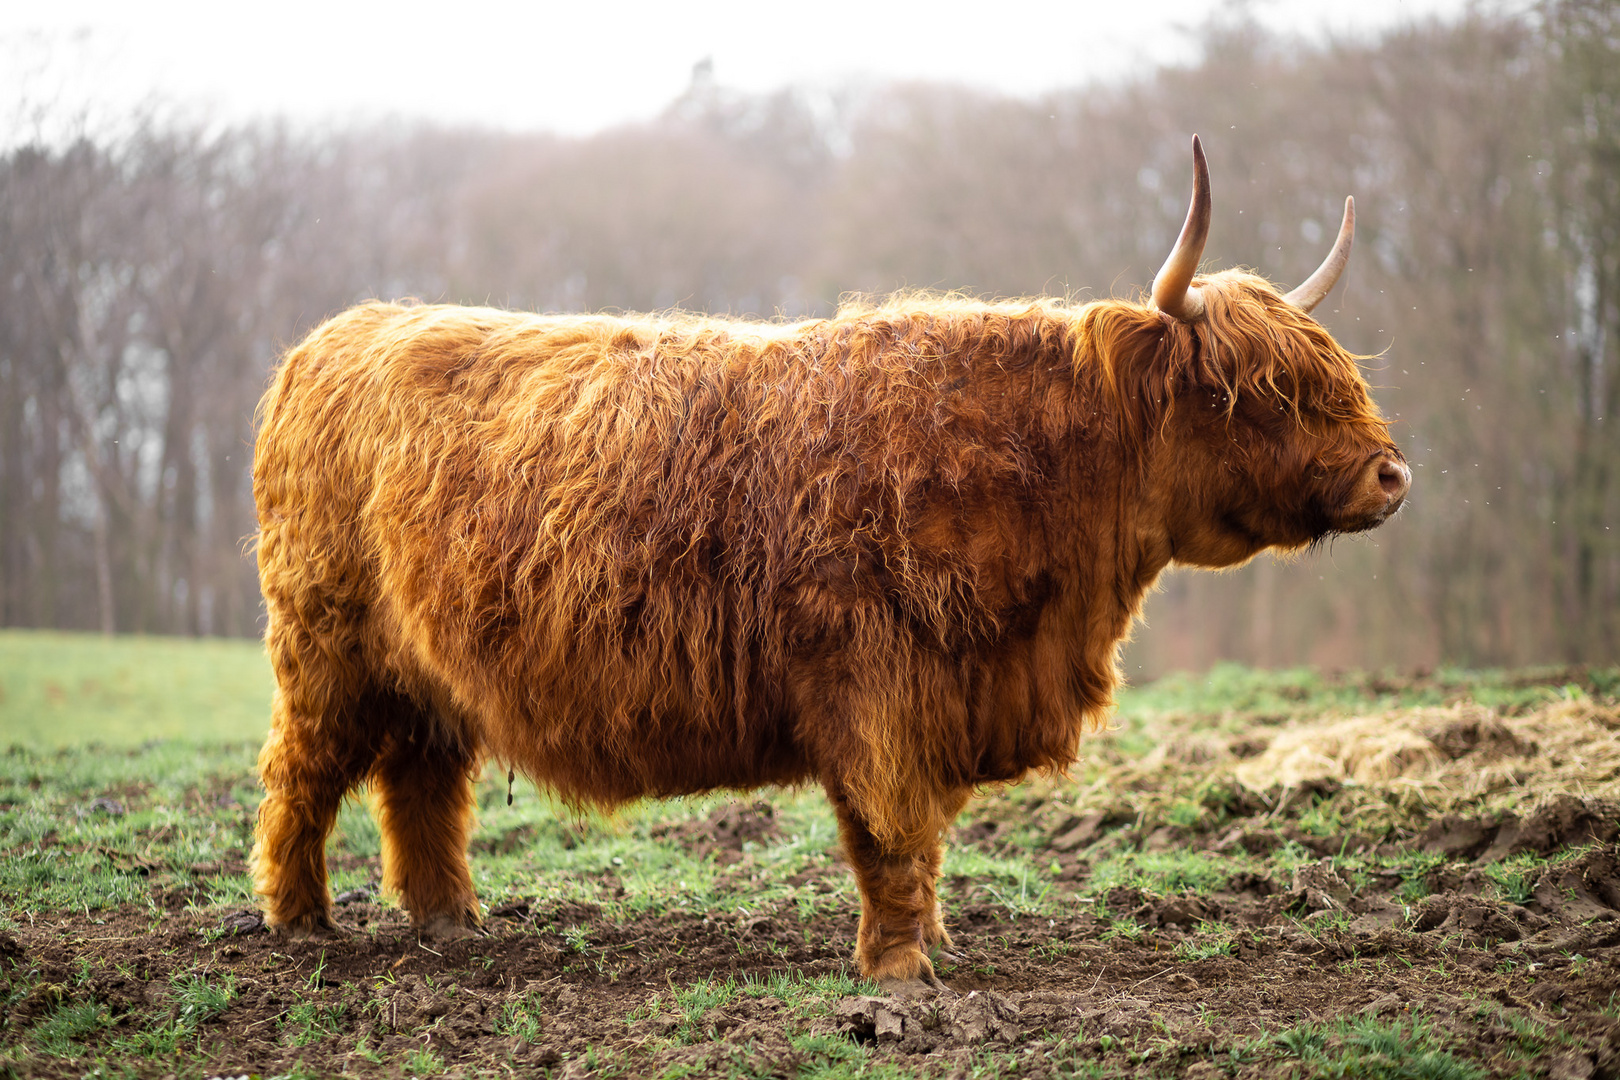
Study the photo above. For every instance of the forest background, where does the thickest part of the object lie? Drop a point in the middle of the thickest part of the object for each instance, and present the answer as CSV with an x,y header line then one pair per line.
x,y
151,271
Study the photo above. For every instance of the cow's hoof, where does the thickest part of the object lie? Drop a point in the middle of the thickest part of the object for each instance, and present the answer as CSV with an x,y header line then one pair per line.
x,y
904,972
444,927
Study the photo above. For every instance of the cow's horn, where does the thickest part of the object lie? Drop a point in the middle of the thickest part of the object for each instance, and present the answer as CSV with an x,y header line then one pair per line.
x,y
1314,288
1172,289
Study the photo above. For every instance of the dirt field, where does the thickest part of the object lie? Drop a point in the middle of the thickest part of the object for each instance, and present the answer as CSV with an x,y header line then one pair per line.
x,y
1394,890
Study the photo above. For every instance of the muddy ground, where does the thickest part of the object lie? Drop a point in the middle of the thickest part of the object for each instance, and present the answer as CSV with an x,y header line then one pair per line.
x,y
1412,932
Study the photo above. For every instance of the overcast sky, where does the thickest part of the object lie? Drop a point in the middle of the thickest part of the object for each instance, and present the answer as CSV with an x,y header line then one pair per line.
x,y
579,67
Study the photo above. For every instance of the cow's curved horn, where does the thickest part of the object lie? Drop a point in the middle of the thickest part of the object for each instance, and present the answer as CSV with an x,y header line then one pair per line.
x,y
1172,288
1311,291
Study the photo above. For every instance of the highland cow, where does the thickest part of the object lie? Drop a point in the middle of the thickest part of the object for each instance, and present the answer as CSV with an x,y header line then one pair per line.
x,y
892,552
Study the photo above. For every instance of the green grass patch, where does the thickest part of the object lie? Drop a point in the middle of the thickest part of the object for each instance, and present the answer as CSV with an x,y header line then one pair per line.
x,y
60,689
808,995
696,1001
198,1000
1165,872
1365,1046
423,1063
311,1021
64,1032
1232,690
89,830
1209,940
195,1000
1515,877
834,1057
523,1017
1013,881
537,848
135,820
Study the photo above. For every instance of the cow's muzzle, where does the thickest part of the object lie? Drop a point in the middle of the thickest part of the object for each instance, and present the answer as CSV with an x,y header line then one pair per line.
x,y
1394,479
1379,490
1388,481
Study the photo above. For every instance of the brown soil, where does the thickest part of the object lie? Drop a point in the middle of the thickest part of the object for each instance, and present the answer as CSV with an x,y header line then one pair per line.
x,y
1118,981
1312,949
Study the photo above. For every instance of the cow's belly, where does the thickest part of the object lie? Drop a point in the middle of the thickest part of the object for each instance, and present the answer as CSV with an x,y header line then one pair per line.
x,y
587,757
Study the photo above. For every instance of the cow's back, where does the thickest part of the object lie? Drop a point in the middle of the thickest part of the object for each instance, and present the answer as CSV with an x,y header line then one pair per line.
x,y
621,544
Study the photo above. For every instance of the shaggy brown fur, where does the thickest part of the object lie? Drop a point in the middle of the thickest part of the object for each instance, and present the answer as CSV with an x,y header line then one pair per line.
x,y
892,552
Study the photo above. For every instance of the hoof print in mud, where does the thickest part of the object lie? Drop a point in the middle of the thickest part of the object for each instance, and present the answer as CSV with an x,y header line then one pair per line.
x,y
447,928
1316,888
1561,821
918,1025
1475,922
1175,911
328,932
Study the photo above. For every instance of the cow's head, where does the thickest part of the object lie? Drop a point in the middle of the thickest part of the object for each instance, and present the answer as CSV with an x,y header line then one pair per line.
x,y
1266,435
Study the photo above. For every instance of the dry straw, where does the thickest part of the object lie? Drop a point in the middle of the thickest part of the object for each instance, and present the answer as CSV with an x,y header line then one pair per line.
x,y
1449,757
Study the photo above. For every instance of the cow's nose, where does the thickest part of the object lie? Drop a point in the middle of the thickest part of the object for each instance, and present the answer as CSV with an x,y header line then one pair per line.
x,y
1394,477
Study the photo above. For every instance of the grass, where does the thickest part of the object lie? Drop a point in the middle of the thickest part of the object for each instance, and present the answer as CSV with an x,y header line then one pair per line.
x,y
166,805
60,690
808,995
63,1033
423,1063
564,858
1515,877
696,1001
92,830
1011,880
1211,939
1164,872
1362,1046
96,830
198,1000
523,1018
1232,690
310,1021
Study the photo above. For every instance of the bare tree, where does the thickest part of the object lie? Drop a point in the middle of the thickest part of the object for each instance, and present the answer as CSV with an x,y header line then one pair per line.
x,y
149,278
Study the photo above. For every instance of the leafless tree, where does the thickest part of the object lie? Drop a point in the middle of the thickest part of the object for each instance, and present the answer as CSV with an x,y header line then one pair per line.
x,y
149,278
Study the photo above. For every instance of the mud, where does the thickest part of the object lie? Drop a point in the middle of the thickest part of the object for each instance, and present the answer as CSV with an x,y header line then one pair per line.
x,y
1308,949
1515,965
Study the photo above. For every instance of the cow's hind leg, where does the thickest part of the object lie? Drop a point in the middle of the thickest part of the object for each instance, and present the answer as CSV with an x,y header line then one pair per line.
x,y
318,750
424,799
900,917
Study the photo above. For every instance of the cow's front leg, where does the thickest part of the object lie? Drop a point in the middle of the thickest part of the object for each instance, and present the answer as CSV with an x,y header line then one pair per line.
x,y
901,922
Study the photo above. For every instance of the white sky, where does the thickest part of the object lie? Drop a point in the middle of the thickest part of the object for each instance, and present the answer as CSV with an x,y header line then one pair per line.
x,y
579,67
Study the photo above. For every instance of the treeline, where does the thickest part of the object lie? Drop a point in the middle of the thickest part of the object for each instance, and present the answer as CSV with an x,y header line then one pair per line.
x,y
148,281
